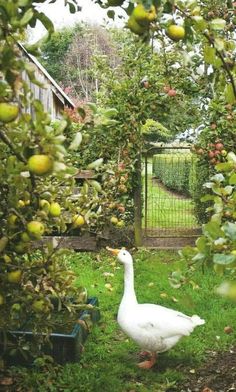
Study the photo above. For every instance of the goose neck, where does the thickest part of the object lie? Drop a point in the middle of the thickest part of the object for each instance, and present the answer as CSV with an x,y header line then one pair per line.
x,y
129,283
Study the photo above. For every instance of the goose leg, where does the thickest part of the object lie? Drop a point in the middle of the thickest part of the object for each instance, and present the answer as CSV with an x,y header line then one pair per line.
x,y
149,363
143,354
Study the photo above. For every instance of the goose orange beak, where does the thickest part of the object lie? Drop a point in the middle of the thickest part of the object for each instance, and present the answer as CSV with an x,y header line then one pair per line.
x,y
113,251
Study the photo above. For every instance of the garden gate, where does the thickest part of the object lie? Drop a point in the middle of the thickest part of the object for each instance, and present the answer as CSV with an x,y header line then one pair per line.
x,y
168,217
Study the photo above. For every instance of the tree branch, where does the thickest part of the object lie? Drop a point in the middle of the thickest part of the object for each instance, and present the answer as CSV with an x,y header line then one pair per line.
x,y
9,143
225,64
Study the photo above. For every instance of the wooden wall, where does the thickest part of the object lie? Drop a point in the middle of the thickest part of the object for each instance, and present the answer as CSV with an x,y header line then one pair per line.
x,y
51,100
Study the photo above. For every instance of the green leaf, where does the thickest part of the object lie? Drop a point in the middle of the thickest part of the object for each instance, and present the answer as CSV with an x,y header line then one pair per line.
x,y
213,230
229,94
227,190
230,230
232,179
219,44
26,17
202,245
109,113
218,24
76,142
206,198
209,54
95,164
93,107
217,62
218,204
81,112
200,23
111,14
223,259
187,252
47,23
231,157
218,177
23,3
208,185
216,189
224,166
199,257
72,8
96,185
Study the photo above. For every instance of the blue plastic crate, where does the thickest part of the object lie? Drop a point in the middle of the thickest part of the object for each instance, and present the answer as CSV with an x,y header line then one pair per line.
x,y
63,347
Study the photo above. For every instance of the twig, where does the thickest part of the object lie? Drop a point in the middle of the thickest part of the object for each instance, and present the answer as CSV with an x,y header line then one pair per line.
x,y
9,143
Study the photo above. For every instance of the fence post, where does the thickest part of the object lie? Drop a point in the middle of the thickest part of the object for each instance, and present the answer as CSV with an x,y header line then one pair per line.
x,y
138,202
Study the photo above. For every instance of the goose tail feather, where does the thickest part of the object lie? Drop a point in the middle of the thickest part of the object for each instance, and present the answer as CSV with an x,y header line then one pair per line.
x,y
197,320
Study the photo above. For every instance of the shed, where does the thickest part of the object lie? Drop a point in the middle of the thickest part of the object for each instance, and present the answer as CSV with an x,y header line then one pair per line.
x,y
51,95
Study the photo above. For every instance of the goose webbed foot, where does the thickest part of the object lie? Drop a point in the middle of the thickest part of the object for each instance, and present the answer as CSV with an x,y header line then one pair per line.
x,y
148,364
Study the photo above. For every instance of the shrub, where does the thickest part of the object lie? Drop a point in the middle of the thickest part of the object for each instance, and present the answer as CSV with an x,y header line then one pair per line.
x,y
216,246
199,172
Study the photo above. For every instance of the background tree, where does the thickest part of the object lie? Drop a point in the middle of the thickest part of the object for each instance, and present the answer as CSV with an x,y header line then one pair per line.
x,y
211,26
68,57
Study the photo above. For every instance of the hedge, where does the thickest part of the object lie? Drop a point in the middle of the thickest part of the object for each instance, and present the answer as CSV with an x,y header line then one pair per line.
x,y
199,174
173,171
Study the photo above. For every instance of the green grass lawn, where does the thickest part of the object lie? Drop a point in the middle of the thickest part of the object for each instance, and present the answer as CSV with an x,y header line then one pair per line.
x,y
166,209
109,360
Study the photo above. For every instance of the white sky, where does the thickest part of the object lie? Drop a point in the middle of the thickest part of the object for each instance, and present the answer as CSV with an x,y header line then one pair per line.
x,y
60,16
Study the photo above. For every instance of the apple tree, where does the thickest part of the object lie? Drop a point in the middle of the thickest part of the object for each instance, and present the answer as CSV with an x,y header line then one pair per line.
x,y
36,193
206,30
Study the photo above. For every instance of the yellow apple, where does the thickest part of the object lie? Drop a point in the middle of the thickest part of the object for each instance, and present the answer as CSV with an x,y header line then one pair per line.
x,y
8,112
3,243
120,223
39,306
144,16
14,276
135,27
25,237
35,229
55,209
44,204
12,221
21,203
40,164
175,32
114,220
78,221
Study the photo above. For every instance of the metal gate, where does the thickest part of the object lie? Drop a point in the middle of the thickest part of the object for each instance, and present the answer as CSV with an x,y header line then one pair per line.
x,y
168,216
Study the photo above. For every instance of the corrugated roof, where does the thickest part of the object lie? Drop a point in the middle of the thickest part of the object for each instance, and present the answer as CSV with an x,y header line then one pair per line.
x,y
49,77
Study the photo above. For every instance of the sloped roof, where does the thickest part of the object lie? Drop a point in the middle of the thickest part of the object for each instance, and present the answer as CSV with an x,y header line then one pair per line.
x,y
58,89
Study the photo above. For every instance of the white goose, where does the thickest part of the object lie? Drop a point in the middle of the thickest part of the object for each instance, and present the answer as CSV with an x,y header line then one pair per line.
x,y
154,328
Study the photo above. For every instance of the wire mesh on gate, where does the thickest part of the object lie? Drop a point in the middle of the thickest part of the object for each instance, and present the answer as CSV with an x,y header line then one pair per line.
x,y
168,179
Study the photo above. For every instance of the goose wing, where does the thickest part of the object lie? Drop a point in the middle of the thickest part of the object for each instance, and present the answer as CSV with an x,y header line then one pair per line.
x,y
164,321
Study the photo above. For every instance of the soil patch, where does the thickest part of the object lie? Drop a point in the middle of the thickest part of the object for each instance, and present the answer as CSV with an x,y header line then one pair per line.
x,y
218,374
